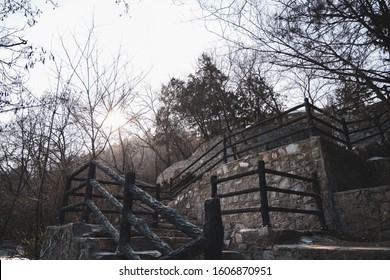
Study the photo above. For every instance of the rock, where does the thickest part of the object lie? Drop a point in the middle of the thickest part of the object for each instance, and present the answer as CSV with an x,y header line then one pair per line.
x,y
292,149
237,238
243,164
75,241
268,255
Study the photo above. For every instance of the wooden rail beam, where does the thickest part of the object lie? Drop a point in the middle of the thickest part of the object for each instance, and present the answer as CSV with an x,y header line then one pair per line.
x,y
137,223
126,250
168,213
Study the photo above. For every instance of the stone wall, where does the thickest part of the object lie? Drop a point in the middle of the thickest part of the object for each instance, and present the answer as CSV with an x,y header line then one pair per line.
x,y
345,170
365,213
345,182
301,158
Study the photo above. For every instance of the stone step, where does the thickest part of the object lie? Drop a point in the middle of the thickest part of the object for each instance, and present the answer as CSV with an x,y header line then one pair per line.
x,y
266,243
141,243
328,252
163,230
166,230
144,255
311,252
305,248
164,223
233,255
93,246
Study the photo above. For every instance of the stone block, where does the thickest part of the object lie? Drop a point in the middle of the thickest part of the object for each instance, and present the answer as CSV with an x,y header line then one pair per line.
x,y
71,242
284,183
243,164
268,255
265,231
292,149
282,152
237,238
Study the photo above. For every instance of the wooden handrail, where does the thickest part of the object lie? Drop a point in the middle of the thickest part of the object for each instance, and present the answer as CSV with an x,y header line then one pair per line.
x,y
127,251
313,116
168,213
129,218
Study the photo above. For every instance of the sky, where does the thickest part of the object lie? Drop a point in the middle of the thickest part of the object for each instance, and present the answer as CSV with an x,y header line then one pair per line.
x,y
160,39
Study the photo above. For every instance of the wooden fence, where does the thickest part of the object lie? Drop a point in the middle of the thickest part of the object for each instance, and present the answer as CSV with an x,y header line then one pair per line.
x,y
297,123
86,203
264,189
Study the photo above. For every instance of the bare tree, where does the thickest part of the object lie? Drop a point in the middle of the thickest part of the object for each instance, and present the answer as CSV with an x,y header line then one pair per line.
x,y
342,39
98,87
17,53
27,154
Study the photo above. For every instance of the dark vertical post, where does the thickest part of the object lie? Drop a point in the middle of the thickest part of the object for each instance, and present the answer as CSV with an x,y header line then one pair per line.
x,y
225,148
346,134
377,121
213,229
309,115
65,200
316,190
214,188
264,208
155,215
88,192
125,226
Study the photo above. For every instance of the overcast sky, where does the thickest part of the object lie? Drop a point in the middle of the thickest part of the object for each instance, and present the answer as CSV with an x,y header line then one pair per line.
x,y
157,37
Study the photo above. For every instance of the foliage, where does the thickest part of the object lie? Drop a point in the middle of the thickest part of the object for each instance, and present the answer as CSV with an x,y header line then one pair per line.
x,y
208,103
171,132
256,99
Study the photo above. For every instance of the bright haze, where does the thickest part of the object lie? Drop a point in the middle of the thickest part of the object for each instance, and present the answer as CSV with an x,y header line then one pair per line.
x,y
159,39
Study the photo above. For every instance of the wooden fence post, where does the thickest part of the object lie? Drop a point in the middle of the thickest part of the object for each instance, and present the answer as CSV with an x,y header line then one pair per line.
x,y
214,189
88,192
213,229
225,148
346,133
125,226
309,115
377,121
264,208
65,201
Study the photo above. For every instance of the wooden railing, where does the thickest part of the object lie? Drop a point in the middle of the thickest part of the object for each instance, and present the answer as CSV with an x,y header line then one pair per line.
x,y
295,124
130,193
264,208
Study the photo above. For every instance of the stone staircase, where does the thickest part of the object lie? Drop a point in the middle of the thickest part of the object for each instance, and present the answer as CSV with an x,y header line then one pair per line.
x,y
269,244
92,242
87,241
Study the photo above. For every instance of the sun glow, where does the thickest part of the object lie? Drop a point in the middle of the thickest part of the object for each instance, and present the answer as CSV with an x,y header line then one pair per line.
x,y
116,120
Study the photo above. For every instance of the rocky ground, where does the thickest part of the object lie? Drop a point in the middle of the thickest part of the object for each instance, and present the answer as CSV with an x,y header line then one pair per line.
x,y
11,250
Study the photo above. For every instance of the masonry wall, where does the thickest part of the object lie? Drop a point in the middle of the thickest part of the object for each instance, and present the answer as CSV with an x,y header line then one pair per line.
x,y
301,158
345,170
365,213
351,204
